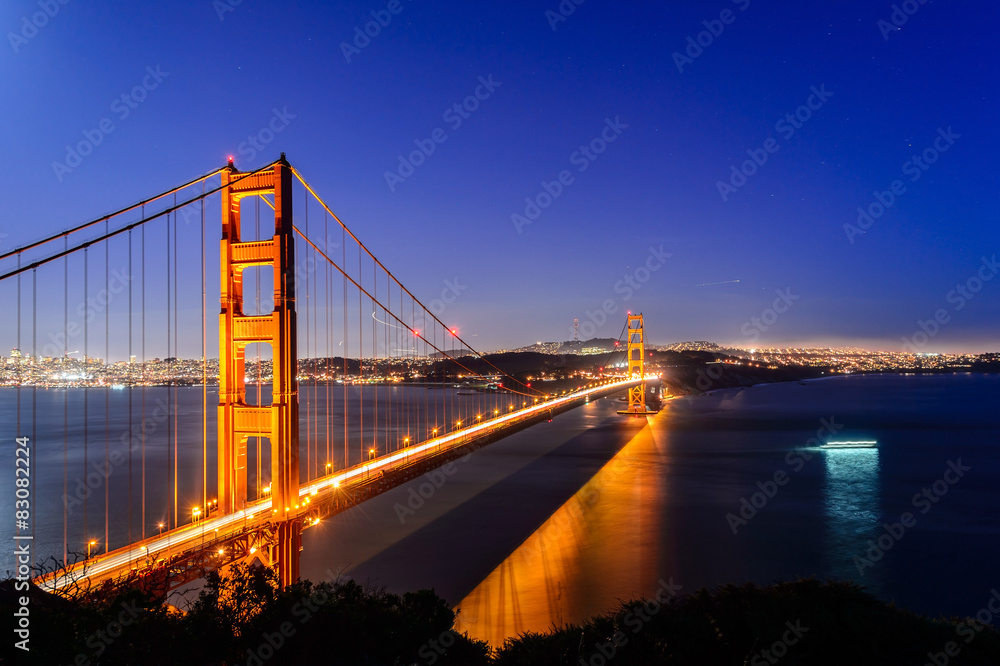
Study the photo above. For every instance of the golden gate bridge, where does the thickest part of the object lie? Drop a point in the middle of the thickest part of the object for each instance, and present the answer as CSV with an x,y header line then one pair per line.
x,y
169,483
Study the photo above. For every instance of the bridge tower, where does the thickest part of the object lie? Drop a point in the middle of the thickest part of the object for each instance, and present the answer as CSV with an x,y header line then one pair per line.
x,y
636,357
279,421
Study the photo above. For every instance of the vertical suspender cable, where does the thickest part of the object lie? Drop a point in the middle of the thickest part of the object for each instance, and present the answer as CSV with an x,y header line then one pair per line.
x,y
315,316
375,353
131,383
411,345
173,382
303,361
19,378
107,389
345,343
400,397
385,345
18,367
86,379
142,386
170,456
326,282
65,404
34,379
361,359
204,360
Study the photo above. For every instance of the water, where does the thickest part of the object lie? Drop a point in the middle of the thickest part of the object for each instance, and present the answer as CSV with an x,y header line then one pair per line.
x,y
73,431
559,522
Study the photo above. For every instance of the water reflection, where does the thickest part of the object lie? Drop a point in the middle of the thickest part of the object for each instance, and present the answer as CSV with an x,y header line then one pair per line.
x,y
852,496
570,568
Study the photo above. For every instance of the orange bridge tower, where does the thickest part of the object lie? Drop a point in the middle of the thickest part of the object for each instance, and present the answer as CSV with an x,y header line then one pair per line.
x,y
636,370
279,421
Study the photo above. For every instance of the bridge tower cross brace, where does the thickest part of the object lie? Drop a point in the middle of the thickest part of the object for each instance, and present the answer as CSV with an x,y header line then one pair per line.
x,y
279,421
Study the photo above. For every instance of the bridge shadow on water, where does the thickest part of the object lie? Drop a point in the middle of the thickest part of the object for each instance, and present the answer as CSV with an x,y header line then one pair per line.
x,y
565,571
521,534
510,523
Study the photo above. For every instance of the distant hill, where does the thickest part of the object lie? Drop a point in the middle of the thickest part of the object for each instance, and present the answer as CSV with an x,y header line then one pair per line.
x,y
453,353
592,346
578,346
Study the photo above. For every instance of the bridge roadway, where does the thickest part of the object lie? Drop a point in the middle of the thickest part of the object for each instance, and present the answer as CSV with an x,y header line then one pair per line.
x,y
220,540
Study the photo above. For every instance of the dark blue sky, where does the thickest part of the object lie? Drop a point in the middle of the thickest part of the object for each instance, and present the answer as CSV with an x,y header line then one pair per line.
x,y
885,97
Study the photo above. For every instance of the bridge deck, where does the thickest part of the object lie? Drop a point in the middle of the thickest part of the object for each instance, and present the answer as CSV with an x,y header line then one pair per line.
x,y
185,553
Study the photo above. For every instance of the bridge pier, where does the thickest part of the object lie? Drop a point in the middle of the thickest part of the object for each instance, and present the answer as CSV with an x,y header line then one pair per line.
x,y
286,551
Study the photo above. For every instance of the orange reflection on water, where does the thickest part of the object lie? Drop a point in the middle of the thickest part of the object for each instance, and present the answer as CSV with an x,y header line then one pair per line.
x,y
603,545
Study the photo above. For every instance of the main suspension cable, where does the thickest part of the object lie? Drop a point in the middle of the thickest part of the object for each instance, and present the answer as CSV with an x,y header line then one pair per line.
x,y
107,217
401,286
129,227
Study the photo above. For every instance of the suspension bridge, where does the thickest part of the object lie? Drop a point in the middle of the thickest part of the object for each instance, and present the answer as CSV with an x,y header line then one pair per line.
x,y
142,469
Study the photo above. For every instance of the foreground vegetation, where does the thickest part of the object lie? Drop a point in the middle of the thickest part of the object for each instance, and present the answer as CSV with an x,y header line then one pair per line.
x,y
242,618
